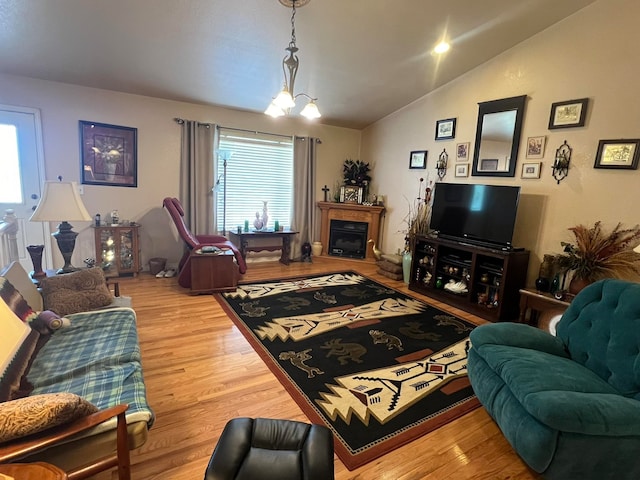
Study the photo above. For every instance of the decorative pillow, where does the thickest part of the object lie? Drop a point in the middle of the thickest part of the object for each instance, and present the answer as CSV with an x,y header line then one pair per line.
x,y
76,292
15,301
29,415
17,346
48,322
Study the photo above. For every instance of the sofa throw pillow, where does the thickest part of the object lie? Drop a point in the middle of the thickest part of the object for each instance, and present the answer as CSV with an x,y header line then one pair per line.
x,y
76,292
16,302
29,415
17,346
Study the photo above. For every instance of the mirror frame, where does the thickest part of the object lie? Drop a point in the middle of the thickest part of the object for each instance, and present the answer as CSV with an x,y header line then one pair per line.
x,y
497,106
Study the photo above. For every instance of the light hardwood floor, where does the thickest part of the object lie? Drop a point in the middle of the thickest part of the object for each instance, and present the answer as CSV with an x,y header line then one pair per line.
x,y
200,372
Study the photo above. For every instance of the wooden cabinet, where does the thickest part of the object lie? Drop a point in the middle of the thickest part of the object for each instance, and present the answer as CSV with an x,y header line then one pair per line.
x,y
480,280
119,247
213,272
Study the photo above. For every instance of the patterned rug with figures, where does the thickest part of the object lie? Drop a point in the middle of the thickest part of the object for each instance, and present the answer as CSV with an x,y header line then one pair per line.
x,y
376,366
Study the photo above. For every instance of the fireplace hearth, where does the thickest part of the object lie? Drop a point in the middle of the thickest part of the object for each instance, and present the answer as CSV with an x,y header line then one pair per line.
x,y
348,239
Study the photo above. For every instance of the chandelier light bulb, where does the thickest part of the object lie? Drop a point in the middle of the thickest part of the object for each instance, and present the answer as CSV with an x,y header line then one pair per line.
x,y
442,47
311,111
274,110
284,100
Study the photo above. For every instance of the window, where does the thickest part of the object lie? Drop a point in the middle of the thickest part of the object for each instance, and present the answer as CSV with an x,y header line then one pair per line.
x,y
259,168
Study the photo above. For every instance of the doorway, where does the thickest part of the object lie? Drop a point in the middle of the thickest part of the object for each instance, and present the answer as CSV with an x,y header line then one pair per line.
x,y
22,164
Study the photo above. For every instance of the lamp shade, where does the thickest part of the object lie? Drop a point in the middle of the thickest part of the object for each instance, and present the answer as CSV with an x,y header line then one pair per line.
x,y
60,202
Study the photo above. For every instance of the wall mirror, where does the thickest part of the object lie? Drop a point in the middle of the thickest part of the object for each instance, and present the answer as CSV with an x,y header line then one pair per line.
x,y
498,137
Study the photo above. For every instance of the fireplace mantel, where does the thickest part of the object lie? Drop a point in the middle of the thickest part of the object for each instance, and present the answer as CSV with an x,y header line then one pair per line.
x,y
353,212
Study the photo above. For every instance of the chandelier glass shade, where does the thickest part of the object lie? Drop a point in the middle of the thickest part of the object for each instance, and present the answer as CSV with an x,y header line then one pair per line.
x,y
286,99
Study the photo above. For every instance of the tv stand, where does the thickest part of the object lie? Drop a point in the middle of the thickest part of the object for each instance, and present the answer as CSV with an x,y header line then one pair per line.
x,y
484,280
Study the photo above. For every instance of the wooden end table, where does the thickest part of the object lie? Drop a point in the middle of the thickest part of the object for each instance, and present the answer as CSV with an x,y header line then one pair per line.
x,y
32,471
241,239
213,272
538,303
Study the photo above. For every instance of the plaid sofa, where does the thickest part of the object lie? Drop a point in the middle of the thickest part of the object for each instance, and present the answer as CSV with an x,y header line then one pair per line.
x,y
95,355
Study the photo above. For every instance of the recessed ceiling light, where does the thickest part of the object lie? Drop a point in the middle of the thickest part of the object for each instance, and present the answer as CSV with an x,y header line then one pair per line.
x,y
442,47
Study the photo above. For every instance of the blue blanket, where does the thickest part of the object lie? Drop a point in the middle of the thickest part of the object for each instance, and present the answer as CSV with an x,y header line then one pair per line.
x,y
98,358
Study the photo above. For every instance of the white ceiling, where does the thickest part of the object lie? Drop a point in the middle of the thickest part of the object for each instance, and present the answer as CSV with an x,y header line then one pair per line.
x,y
363,59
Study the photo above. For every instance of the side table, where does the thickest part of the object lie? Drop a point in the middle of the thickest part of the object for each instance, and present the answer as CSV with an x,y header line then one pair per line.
x,y
32,471
213,272
539,304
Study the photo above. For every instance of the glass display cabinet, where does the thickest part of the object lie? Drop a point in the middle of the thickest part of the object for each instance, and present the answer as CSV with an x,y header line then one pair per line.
x,y
117,248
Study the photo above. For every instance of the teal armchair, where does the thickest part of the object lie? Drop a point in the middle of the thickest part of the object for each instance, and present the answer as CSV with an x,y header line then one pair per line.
x,y
569,405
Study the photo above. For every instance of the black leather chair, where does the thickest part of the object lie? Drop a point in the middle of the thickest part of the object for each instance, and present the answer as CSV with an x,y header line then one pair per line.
x,y
268,449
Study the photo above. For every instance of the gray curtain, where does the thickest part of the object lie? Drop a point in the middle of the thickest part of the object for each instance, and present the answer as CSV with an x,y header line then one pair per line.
x,y
197,175
304,194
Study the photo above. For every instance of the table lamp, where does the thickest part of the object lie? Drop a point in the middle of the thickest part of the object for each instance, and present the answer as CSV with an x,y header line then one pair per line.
x,y
61,202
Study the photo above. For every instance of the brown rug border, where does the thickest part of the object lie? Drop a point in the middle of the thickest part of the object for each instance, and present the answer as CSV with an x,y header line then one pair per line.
x,y
351,461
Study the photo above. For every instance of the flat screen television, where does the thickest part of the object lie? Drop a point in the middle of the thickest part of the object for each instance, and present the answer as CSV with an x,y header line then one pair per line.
x,y
479,214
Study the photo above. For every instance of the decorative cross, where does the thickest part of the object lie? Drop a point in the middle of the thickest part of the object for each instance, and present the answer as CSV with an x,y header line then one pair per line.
x,y
326,191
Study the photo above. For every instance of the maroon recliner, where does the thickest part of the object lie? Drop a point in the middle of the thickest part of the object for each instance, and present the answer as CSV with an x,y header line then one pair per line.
x,y
176,212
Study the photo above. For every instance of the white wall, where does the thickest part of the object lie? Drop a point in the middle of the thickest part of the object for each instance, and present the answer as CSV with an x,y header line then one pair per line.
x,y
590,54
63,105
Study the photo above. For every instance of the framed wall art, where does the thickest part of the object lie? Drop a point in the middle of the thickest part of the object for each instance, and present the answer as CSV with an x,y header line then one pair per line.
x,y
462,152
535,147
618,154
567,114
462,170
531,170
446,129
418,159
108,154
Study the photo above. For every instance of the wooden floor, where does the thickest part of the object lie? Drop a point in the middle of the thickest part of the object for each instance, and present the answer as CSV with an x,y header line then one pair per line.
x,y
200,372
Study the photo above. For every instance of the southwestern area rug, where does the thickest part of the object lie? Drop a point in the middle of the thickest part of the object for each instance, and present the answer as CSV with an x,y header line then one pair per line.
x,y
376,366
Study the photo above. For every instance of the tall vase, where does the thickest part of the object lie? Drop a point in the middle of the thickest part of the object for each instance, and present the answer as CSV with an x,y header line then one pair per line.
x,y
406,266
35,252
265,214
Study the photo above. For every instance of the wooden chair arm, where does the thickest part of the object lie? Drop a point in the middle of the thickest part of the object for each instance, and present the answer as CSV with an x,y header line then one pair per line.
x,y
35,443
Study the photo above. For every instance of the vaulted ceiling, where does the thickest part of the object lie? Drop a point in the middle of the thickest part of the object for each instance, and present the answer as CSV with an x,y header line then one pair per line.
x,y
363,59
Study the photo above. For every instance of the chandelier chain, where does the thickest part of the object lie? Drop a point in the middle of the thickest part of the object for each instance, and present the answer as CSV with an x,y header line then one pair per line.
x,y
293,23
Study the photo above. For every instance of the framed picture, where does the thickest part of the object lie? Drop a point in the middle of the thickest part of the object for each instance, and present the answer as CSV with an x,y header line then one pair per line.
x,y
531,170
462,152
108,154
535,147
618,154
351,194
462,170
489,164
446,129
418,159
571,113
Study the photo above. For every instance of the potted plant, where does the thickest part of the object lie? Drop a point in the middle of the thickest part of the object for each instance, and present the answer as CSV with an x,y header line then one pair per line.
x,y
597,254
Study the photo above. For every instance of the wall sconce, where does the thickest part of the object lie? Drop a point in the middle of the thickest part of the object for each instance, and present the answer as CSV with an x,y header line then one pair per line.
x,y
561,163
441,164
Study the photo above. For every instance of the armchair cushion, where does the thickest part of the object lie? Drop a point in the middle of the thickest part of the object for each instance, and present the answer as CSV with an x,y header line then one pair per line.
x,y
76,292
33,414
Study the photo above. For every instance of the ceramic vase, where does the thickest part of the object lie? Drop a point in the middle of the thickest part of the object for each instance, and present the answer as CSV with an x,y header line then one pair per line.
x,y
265,214
406,266
316,249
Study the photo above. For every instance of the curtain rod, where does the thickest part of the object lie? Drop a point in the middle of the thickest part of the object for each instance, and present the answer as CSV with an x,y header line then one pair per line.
x,y
180,121
208,125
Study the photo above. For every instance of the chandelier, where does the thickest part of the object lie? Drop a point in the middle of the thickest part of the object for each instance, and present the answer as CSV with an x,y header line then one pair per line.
x,y
286,99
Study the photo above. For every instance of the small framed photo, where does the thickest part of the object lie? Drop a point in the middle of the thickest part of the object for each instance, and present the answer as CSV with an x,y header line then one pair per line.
x,y
462,152
462,170
531,170
418,159
535,147
489,164
108,154
618,154
567,114
446,129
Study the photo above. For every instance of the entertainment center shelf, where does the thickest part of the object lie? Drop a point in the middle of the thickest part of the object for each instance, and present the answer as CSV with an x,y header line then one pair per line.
x,y
480,280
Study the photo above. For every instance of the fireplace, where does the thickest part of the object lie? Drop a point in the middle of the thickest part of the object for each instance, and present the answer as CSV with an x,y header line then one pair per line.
x,y
348,239
362,222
